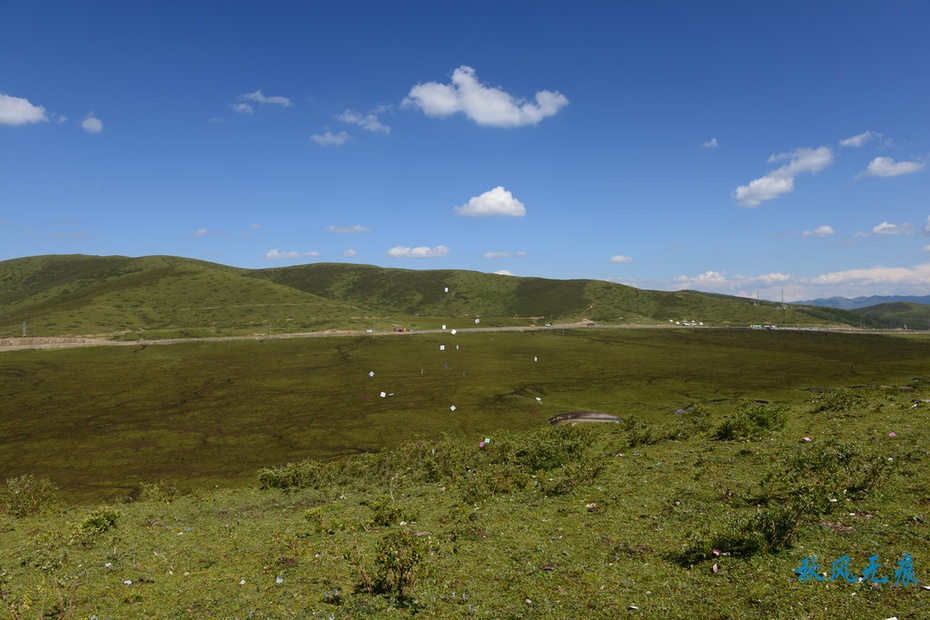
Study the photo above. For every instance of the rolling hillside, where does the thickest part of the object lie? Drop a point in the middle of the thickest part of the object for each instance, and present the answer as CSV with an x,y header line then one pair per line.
x,y
900,314
162,296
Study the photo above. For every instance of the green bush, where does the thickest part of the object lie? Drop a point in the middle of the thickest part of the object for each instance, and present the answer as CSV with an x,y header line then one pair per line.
x,y
96,522
28,495
751,420
398,564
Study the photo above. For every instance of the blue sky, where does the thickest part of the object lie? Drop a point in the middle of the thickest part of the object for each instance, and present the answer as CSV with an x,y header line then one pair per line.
x,y
755,149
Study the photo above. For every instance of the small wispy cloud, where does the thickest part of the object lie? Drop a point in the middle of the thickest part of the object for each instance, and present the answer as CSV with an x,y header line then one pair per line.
x,y
418,252
497,201
503,272
19,111
820,231
368,122
781,180
619,259
485,105
92,124
348,230
888,167
289,254
331,139
860,139
711,144
258,97
200,232
241,108
887,228
349,252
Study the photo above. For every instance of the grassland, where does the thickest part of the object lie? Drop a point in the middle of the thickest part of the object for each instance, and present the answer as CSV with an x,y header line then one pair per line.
x,y
101,421
661,519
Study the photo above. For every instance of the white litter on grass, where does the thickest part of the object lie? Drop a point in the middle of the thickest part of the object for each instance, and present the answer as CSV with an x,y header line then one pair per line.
x,y
371,373
127,582
383,394
242,583
279,580
453,332
452,408
539,399
477,321
535,359
442,347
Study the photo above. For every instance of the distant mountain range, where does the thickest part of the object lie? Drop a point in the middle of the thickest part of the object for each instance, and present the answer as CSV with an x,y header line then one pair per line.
x,y
845,303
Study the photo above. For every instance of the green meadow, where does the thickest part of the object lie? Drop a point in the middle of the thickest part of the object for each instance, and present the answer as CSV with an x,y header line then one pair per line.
x,y
100,421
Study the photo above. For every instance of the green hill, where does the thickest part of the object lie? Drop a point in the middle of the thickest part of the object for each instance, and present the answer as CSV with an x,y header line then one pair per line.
x,y
900,314
162,296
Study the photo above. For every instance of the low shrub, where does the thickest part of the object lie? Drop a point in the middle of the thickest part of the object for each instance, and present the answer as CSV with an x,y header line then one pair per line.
x,y
29,496
751,420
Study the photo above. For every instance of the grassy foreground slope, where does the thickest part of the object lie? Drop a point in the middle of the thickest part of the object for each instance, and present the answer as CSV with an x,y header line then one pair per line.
x,y
162,296
707,515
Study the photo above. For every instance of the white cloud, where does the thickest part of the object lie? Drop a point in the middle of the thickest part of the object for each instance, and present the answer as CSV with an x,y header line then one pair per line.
x,y
258,97
503,272
420,252
820,231
887,228
482,104
348,229
289,254
368,121
331,139
887,167
927,248
711,144
349,252
927,226
781,180
860,139
92,124
497,201
200,232
241,108
919,275
620,260
19,111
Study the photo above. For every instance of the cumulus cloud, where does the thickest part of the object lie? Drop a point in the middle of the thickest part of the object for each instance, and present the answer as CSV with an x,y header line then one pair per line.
x,y
887,167
289,254
711,144
860,139
19,111
348,230
258,97
497,201
331,139
820,231
420,252
369,122
485,105
620,260
503,272
92,124
781,180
